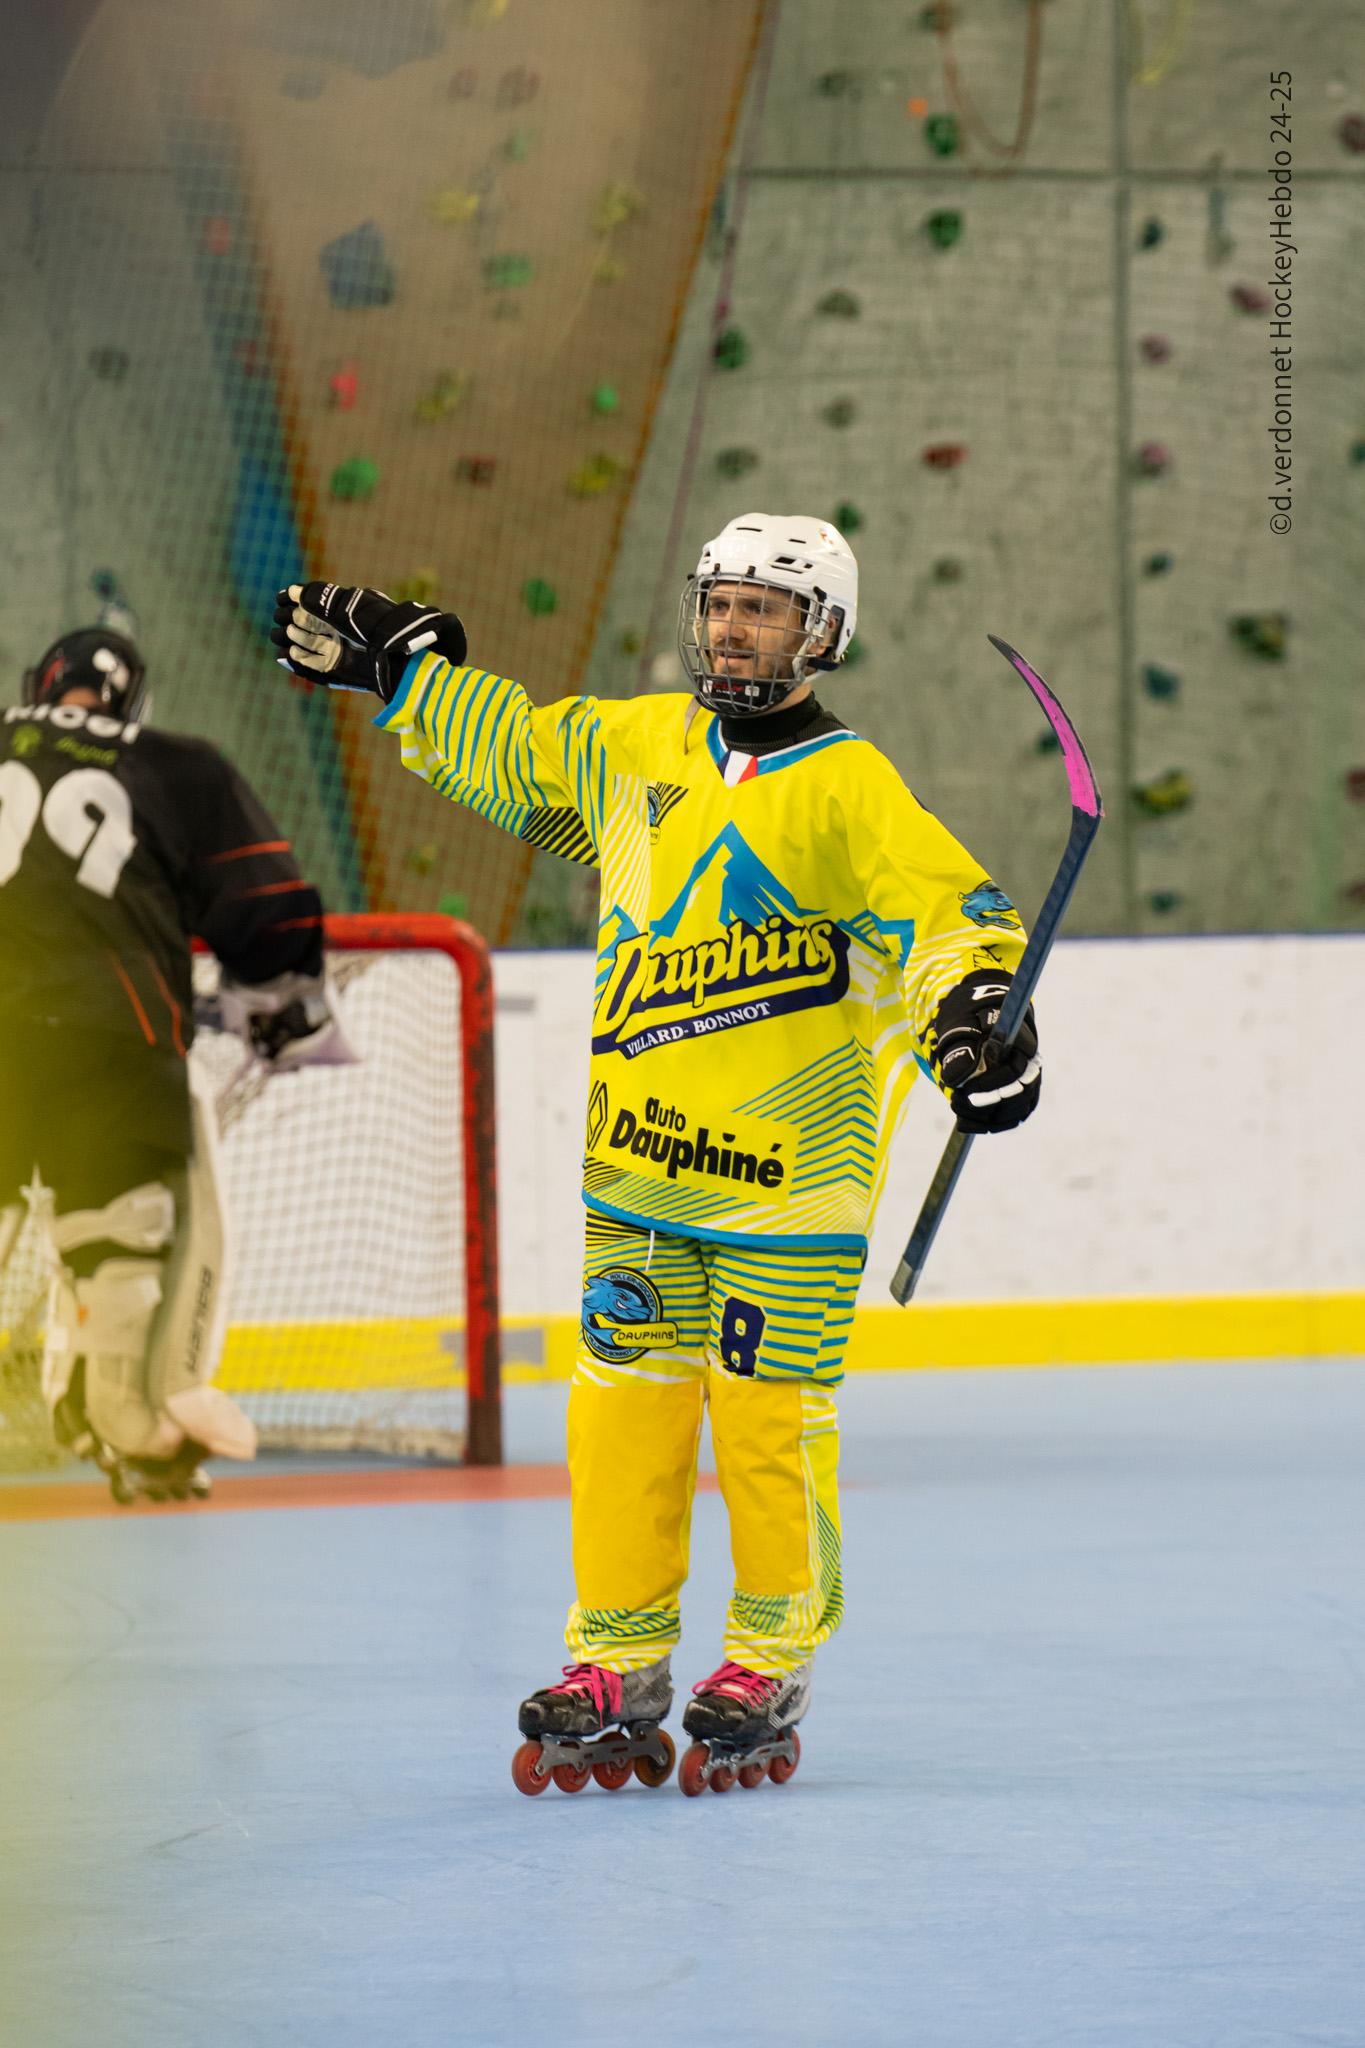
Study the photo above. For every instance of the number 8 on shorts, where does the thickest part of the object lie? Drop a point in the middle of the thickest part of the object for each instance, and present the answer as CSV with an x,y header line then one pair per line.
x,y
742,1324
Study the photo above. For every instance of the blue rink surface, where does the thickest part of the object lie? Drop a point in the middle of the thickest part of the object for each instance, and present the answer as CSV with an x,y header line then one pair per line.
x,y
1085,1766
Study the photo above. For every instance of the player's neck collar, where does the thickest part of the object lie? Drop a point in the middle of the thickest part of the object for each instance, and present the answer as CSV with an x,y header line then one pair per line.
x,y
780,728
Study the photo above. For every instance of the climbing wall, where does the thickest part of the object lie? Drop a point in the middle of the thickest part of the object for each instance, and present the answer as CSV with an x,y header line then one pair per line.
x,y
386,292
991,285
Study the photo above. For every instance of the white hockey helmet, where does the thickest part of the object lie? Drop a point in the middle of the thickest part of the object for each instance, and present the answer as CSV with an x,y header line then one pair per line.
x,y
798,613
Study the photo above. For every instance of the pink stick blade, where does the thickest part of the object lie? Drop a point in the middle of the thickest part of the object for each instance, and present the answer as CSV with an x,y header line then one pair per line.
x,y
1085,790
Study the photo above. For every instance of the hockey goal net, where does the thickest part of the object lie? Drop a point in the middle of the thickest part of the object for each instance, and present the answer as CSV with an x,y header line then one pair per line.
x,y
361,1205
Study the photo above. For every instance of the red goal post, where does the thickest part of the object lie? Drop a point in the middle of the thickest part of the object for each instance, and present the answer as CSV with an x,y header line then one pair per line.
x,y
371,1142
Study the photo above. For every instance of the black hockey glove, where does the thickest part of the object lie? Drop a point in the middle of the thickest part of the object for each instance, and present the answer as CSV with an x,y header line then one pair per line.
x,y
996,1095
358,639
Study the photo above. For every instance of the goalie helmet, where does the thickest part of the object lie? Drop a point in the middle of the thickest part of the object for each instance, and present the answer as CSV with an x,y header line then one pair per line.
x,y
94,658
773,599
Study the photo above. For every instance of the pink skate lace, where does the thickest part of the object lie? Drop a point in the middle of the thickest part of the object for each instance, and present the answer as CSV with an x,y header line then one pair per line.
x,y
739,1684
602,1687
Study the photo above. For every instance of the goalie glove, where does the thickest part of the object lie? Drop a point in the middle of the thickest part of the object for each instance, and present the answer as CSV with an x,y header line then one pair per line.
x,y
291,1021
990,1089
356,639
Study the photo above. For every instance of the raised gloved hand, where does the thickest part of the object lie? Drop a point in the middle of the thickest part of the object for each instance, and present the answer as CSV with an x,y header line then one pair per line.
x,y
998,1092
356,639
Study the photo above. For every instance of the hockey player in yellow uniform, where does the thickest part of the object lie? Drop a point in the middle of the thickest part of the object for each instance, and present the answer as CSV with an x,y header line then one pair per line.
x,y
786,939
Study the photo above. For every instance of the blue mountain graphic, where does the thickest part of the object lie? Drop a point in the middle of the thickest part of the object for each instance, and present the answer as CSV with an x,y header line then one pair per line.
x,y
747,890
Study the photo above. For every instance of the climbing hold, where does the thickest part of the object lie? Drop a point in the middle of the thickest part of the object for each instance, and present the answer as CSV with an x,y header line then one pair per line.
x,y
1249,298
736,462
1155,348
605,400
943,454
1263,633
217,234
1163,901
630,641
476,469
505,272
731,349
106,586
344,387
839,305
847,518
1354,892
1352,133
855,652
303,85
446,395
917,107
942,134
464,84
840,412
1158,564
354,479
110,364
1151,234
454,205
1357,454
594,476
518,146
419,588
944,228
1161,683
1152,458
483,13
616,204
1164,794
422,859
357,268
517,86
1355,785
947,569
540,598
937,17
453,904
1047,743
838,85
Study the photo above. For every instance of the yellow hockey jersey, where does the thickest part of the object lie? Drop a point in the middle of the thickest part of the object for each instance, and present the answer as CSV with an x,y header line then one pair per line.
x,y
775,934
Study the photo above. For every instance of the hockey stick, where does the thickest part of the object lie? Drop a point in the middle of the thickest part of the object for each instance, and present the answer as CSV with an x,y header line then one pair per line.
x,y
1087,809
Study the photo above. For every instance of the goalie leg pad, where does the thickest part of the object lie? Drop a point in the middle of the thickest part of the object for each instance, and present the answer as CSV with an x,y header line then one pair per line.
x,y
188,1340
153,1328
118,1306
141,1220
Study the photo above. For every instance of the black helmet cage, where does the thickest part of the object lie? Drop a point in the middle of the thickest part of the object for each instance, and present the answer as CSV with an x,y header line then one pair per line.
x,y
92,658
734,694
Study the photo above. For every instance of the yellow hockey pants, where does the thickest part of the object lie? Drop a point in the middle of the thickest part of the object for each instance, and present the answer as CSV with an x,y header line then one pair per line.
x,y
670,1327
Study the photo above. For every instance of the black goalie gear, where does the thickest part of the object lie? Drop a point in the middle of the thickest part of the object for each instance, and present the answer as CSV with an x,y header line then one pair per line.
x,y
358,639
93,658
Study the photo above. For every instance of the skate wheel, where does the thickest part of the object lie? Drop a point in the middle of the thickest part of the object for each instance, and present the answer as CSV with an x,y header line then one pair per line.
x,y
571,1777
692,1770
722,1778
529,1774
611,1777
201,1485
751,1775
122,1487
783,1767
649,1770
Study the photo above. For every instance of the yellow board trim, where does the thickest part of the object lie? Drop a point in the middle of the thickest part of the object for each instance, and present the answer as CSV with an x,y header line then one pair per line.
x,y
424,1352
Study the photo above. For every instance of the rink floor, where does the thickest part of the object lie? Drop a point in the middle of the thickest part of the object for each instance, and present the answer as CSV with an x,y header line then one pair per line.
x,y
1085,1766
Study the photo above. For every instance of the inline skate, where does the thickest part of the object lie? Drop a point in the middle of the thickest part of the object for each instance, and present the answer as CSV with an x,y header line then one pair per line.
x,y
744,1727
596,1724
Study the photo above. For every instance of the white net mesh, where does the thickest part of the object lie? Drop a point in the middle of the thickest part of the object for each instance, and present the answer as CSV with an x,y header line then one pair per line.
x,y
343,1191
